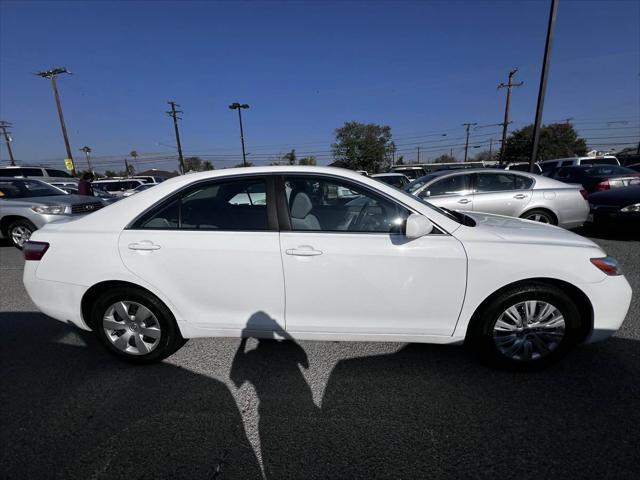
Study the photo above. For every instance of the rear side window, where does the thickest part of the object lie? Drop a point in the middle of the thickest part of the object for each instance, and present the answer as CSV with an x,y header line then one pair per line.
x,y
567,163
495,182
453,185
548,166
57,173
231,205
523,183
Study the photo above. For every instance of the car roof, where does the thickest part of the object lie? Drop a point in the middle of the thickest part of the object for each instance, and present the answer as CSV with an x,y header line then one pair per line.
x,y
388,174
20,179
111,180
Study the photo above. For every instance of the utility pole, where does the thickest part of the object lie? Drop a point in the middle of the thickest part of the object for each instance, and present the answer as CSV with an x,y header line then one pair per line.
x,y
491,148
87,151
173,113
553,12
134,156
418,155
505,124
51,75
126,167
3,126
466,144
239,107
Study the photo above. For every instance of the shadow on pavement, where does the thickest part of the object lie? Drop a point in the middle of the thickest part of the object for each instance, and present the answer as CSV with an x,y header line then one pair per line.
x,y
424,411
72,411
627,235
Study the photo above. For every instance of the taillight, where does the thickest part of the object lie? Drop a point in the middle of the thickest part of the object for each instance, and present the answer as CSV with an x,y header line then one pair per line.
x,y
602,186
608,265
34,250
584,193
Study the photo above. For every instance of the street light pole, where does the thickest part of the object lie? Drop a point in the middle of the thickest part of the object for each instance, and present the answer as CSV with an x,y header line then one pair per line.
x,y
543,82
87,151
239,107
51,75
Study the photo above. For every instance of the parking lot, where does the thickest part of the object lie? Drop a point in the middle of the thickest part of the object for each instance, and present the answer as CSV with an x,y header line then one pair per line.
x,y
310,410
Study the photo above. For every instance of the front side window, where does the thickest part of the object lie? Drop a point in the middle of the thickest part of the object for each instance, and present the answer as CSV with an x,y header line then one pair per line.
x,y
494,182
325,204
452,185
58,173
230,205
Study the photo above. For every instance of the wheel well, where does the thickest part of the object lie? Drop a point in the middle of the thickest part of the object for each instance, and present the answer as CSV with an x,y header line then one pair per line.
x,y
91,295
8,220
550,212
582,302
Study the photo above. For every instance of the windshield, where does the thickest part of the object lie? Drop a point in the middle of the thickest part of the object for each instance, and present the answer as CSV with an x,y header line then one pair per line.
x,y
455,216
416,184
600,170
600,161
27,188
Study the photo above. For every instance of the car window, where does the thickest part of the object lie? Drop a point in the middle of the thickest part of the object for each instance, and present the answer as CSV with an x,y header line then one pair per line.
x,y
603,170
548,166
522,182
27,189
562,174
566,163
57,173
450,185
230,205
495,182
331,205
31,172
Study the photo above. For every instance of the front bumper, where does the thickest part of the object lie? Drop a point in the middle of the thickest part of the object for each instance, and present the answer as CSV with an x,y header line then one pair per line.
x,y
610,300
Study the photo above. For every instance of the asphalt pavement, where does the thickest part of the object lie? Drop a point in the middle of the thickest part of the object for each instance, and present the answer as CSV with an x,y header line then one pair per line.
x,y
312,409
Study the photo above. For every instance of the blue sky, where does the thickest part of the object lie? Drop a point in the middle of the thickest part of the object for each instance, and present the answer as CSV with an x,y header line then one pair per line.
x,y
305,68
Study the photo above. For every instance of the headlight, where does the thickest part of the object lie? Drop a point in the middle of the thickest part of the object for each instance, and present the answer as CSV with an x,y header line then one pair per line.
x,y
631,208
49,209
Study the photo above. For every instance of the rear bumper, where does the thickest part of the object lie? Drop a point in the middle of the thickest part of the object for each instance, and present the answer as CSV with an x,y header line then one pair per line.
x,y
58,300
610,300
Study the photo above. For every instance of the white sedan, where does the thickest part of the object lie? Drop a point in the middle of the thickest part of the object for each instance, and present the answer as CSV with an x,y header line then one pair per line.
x,y
278,252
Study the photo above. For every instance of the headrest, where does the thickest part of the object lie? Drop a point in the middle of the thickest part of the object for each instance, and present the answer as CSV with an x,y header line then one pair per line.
x,y
301,205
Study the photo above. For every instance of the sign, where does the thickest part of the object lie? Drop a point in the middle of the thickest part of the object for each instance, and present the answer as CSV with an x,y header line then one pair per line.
x,y
68,163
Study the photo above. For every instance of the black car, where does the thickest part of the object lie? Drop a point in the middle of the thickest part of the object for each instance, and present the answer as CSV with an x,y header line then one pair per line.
x,y
616,209
597,178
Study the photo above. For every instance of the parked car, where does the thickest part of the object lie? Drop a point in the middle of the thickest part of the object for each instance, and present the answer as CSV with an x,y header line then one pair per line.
x,y
397,180
46,174
617,209
153,179
548,166
597,178
635,167
138,189
524,167
515,194
28,204
185,260
117,187
410,171
65,188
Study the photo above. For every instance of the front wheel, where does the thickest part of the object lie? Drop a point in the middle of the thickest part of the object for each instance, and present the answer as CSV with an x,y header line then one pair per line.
x,y
527,326
135,325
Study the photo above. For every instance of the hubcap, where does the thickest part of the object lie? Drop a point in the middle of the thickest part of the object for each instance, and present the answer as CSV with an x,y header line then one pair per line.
x,y
131,327
538,217
529,330
19,235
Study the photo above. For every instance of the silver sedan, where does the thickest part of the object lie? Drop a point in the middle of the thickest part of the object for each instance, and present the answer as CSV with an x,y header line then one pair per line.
x,y
510,193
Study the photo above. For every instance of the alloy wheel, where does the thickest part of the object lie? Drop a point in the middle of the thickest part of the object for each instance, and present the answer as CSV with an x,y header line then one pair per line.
x,y
538,217
529,330
19,235
131,327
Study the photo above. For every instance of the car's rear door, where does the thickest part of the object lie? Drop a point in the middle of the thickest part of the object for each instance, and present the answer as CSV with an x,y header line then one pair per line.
x,y
213,249
501,193
360,276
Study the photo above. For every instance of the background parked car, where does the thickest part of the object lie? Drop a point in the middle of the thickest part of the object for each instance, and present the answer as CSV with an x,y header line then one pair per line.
x,y
550,165
117,187
397,180
49,175
597,178
617,209
153,179
520,194
138,189
635,167
27,205
411,172
524,167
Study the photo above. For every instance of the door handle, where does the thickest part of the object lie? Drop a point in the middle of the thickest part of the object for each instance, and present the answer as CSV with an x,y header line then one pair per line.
x,y
464,200
144,245
303,251
520,196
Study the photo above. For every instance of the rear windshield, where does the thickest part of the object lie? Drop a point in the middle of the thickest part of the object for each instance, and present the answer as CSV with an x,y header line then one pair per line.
x,y
599,161
604,170
27,189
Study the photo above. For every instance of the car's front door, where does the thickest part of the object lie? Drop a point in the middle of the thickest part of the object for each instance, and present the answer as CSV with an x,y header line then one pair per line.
x,y
213,250
501,193
349,270
451,191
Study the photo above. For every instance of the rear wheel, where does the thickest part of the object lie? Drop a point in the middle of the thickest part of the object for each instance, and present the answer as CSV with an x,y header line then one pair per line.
x,y
527,326
135,325
20,231
540,215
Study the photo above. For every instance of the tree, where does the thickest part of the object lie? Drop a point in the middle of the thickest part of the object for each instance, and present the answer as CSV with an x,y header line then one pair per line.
x,y
400,160
444,158
290,157
207,165
362,146
310,160
557,140
484,156
196,164
249,164
110,173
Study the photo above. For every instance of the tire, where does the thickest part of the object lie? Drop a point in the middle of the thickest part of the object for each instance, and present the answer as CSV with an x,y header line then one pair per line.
x,y
149,335
498,339
20,231
540,215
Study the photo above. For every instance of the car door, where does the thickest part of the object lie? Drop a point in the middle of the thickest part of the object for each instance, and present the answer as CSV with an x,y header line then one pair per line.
x,y
213,249
501,193
353,272
452,191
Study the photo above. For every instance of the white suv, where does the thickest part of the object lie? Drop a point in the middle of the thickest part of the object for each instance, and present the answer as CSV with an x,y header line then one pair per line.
x,y
46,174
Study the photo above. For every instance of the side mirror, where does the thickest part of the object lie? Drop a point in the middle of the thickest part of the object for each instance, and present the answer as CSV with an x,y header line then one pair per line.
x,y
417,226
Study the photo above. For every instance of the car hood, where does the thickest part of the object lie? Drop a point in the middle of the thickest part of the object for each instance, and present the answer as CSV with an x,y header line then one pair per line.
x,y
54,200
517,230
